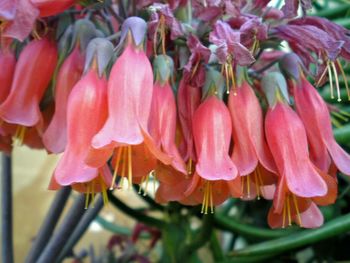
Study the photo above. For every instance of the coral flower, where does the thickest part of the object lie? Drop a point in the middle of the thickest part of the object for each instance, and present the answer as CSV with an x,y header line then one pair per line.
x,y
89,96
212,128
188,100
250,147
300,182
8,60
55,137
162,123
129,101
33,73
314,113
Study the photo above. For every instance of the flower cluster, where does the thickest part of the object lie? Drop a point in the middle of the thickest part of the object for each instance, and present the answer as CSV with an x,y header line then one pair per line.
x,y
208,107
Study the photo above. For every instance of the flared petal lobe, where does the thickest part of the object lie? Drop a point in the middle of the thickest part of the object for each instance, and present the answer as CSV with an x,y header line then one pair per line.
x,y
212,134
86,114
316,118
55,137
33,73
287,140
248,132
129,100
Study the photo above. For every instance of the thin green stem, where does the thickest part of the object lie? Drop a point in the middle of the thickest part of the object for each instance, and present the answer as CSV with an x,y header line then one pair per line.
x,y
248,231
216,247
141,217
332,228
201,238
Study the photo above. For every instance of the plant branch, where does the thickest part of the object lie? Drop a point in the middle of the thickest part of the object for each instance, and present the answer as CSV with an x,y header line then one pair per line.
x,y
56,243
6,210
49,224
81,228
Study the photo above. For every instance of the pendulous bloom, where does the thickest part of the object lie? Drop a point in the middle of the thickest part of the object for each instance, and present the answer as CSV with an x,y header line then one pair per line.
x,y
130,90
299,179
250,151
88,96
212,130
33,73
55,136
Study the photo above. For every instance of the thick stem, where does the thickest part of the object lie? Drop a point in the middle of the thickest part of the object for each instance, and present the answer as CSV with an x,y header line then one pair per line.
x,y
6,210
59,239
79,231
49,224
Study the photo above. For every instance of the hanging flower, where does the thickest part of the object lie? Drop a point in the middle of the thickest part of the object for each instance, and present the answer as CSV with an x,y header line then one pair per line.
x,y
88,96
129,100
55,137
286,137
250,148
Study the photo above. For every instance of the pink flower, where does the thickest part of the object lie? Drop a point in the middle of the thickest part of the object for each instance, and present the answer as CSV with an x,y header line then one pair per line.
x,y
315,115
212,130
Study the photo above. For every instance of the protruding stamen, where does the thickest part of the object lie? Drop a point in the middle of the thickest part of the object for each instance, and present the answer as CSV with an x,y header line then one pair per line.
x,y
336,80
142,180
207,198
194,70
119,155
103,191
227,78
87,196
189,166
162,33
233,80
261,182
242,186
284,217
20,134
92,191
322,76
153,173
248,186
344,78
330,79
297,210
146,186
123,167
289,212
211,199
257,185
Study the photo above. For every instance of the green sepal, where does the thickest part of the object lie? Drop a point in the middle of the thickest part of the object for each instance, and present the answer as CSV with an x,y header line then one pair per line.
x,y
275,88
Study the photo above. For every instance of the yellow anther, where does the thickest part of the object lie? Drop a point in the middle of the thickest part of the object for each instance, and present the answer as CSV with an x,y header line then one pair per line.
x,y
119,154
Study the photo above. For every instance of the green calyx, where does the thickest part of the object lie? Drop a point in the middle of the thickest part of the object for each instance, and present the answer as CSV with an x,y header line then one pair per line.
x,y
275,88
214,84
163,67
